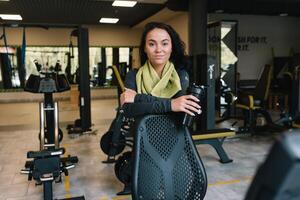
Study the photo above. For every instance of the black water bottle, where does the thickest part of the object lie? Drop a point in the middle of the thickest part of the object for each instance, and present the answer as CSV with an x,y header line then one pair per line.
x,y
197,91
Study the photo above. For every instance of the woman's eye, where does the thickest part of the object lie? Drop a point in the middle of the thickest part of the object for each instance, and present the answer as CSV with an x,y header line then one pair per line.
x,y
151,44
165,43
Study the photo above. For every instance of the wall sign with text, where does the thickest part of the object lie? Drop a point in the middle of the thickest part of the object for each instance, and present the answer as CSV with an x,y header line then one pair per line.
x,y
245,42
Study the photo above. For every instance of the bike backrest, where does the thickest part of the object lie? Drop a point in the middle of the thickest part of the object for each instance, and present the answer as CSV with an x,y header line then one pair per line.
x,y
166,162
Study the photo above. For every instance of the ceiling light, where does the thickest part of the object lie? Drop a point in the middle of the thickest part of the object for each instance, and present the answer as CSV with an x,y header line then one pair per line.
x,y
10,17
108,20
124,3
4,0
283,14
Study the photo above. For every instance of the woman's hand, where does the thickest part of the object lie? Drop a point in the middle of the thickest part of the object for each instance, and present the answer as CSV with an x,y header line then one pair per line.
x,y
187,104
127,96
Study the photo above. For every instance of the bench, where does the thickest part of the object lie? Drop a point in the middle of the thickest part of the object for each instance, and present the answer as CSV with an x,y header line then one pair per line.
x,y
215,138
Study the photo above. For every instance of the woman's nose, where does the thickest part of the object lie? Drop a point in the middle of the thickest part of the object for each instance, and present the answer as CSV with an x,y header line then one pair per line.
x,y
158,48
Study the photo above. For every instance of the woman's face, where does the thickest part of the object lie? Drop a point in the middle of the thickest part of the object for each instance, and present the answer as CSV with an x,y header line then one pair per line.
x,y
158,47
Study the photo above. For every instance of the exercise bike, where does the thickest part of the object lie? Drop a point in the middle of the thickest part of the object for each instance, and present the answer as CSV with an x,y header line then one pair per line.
x,y
121,134
47,165
113,143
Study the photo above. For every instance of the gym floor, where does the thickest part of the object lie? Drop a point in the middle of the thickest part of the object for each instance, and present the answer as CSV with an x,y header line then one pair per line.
x,y
19,127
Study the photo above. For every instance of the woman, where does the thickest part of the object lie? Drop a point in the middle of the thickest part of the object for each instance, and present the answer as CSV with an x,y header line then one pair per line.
x,y
159,85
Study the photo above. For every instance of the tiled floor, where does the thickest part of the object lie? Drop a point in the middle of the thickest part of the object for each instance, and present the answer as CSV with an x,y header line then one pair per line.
x,y
19,124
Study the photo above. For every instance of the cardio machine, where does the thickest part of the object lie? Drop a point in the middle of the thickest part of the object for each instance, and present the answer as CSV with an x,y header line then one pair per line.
x,y
288,84
113,143
46,164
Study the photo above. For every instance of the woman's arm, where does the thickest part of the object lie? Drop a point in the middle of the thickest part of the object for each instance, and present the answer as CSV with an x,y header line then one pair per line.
x,y
143,108
185,103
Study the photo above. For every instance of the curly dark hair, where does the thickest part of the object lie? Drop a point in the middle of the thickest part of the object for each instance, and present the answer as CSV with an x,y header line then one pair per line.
x,y
178,56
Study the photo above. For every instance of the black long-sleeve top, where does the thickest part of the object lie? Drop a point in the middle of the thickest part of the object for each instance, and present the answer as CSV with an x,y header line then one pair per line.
x,y
148,104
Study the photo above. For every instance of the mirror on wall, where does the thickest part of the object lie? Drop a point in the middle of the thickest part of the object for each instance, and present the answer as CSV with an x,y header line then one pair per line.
x,y
63,59
9,75
222,45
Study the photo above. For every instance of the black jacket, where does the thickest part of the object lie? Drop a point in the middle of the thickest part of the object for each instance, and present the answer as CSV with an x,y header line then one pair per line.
x,y
148,104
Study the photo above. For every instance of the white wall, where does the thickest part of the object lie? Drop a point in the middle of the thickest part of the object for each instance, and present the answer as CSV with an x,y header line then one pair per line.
x,y
282,34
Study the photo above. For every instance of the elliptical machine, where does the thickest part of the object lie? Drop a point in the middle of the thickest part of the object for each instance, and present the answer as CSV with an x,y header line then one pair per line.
x,y
47,165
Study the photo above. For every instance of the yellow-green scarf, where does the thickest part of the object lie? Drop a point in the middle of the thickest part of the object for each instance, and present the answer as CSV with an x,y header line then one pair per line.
x,y
148,81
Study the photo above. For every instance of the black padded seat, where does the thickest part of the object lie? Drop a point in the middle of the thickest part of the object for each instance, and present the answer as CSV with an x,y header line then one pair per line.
x,y
166,163
254,103
259,96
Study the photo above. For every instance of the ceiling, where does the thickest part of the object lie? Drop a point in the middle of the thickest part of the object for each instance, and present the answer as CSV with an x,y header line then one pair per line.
x,y
73,12
79,11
